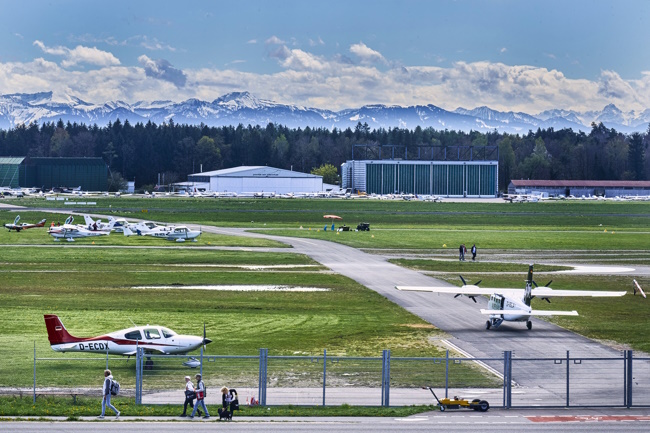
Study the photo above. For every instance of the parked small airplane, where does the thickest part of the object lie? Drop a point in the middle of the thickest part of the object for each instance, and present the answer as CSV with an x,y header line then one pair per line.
x,y
70,231
176,233
152,338
513,305
23,226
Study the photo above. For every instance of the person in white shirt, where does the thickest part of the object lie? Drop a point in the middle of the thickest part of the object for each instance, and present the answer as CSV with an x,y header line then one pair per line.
x,y
190,395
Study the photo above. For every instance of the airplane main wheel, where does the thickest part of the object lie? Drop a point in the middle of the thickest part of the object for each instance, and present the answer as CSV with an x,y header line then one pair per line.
x,y
529,325
483,406
488,325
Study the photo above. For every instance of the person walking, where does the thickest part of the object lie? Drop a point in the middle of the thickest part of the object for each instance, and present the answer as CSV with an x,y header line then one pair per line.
x,y
460,253
474,252
200,397
190,395
106,392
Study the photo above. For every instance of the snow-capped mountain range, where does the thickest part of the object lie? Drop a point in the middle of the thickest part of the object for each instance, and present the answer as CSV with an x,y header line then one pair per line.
x,y
244,108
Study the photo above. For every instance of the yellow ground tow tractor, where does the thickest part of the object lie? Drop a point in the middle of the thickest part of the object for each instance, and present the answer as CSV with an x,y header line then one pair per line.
x,y
457,403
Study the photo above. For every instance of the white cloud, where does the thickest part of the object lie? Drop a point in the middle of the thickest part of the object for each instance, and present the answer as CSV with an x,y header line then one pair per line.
x,y
80,54
274,40
367,54
503,50
336,82
251,41
163,70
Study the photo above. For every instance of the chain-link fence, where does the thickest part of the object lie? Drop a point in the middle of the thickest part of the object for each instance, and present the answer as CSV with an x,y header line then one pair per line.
x,y
566,381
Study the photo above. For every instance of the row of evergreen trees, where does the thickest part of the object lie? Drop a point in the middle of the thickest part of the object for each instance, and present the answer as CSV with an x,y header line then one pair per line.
x,y
146,151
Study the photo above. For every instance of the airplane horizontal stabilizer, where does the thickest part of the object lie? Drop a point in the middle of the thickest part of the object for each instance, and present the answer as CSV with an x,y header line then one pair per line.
x,y
531,313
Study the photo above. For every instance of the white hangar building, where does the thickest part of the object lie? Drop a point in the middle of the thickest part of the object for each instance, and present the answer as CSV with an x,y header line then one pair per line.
x,y
256,179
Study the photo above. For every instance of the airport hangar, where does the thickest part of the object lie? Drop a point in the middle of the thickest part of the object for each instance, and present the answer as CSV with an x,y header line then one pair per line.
x,y
451,171
27,172
256,179
578,188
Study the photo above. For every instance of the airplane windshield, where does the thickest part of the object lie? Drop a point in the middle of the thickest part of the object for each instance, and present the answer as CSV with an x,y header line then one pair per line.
x,y
167,333
151,333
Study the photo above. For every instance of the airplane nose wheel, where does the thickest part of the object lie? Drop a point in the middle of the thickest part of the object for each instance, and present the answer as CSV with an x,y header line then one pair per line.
x,y
529,325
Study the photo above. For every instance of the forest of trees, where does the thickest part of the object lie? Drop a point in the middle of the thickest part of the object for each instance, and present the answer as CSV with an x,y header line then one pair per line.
x,y
142,152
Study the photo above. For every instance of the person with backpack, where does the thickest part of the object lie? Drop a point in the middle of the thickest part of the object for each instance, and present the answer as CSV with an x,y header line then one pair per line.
x,y
200,397
106,392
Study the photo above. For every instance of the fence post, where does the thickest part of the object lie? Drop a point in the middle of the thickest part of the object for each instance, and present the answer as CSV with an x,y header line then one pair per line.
x,y
507,381
568,382
385,379
201,365
138,375
628,376
324,373
34,372
447,375
261,390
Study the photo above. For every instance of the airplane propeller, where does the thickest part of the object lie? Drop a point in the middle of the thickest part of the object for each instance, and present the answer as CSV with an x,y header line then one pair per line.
x,y
464,284
205,340
546,285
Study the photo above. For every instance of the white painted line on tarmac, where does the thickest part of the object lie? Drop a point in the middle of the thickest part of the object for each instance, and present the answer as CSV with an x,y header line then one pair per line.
x,y
467,355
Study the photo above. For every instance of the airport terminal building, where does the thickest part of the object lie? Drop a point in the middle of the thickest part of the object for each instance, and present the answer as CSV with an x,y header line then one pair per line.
x,y
579,188
246,179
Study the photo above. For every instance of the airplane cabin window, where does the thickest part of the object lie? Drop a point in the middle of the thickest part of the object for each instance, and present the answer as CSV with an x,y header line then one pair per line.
x,y
151,334
133,335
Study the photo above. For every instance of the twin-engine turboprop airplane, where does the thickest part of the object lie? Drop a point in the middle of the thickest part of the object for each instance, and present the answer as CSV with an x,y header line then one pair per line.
x,y
513,305
23,226
151,338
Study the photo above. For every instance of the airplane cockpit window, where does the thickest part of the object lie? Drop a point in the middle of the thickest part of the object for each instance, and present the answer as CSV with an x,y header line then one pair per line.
x,y
151,334
133,335
167,333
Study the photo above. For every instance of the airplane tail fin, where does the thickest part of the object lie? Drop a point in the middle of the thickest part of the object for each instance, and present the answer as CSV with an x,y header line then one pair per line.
x,y
41,223
56,332
16,219
528,296
88,220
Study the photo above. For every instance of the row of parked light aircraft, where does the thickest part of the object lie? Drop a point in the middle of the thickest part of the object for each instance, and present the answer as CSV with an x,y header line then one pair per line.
x,y
70,231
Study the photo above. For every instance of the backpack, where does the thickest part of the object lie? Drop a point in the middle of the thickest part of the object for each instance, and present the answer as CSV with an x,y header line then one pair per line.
x,y
115,387
205,389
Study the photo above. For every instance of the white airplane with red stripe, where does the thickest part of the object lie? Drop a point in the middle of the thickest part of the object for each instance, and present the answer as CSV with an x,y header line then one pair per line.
x,y
151,338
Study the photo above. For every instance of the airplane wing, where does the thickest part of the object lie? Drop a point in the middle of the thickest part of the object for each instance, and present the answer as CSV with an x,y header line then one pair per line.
x,y
540,292
532,313
546,292
464,290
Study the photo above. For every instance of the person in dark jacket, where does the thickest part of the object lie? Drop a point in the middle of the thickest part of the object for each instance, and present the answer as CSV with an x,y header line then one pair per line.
x,y
474,252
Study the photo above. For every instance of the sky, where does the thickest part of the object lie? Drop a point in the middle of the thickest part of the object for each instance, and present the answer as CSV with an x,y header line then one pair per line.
x,y
524,55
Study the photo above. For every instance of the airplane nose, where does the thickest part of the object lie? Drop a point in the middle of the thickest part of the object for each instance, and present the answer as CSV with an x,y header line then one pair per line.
x,y
207,341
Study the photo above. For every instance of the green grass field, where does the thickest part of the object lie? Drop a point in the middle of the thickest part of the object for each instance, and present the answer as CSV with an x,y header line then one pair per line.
x,y
89,286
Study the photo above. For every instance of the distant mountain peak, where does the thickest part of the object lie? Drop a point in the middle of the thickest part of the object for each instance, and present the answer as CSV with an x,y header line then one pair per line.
x,y
244,108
